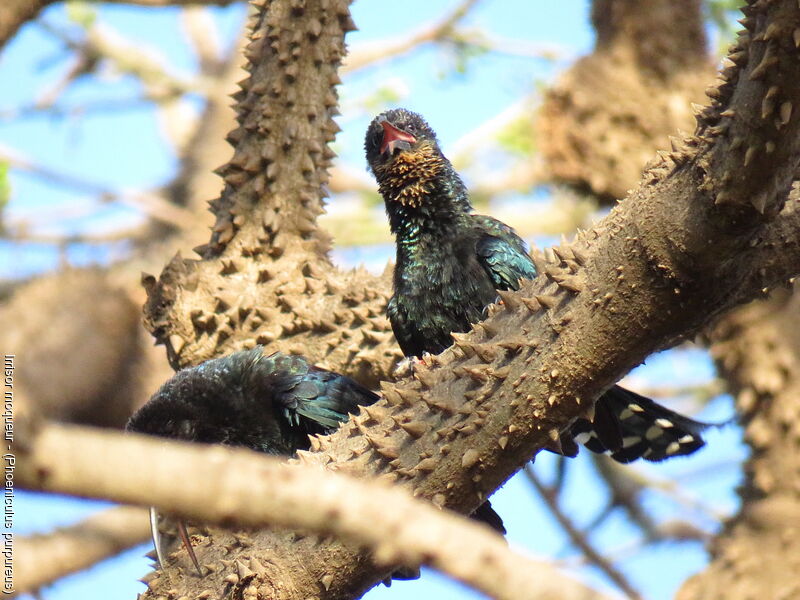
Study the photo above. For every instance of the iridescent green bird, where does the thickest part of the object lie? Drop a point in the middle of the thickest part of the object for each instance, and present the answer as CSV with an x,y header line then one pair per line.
x,y
451,263
268,403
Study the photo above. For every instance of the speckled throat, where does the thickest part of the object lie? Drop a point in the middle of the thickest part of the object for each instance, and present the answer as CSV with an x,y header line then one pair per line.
x,y
410,177
421,189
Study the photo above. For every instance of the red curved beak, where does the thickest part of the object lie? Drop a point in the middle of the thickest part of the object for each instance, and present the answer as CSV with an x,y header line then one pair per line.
x,y
394,138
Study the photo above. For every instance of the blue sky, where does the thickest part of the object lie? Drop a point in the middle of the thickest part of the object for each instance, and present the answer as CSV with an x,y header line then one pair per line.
x,y
123,149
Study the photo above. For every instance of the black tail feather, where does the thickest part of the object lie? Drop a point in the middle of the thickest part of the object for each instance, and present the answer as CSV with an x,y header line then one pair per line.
x,y
486,514
628,426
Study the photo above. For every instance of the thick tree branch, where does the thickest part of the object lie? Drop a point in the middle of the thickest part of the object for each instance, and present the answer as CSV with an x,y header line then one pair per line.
x,y
279,286
600,123
656,269
15,13
757,349
42,559
395,527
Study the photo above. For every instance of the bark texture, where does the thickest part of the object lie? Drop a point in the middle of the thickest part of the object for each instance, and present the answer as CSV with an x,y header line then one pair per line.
x,y
15,13
265,274
682,249
601,122
757,349
755,346
395,526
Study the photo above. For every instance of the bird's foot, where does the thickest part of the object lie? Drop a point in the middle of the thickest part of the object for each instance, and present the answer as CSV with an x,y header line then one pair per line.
x,y
407,366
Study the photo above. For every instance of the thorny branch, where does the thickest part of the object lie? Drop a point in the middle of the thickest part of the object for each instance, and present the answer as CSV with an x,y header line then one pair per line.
x,y
656,269
682,156
397,528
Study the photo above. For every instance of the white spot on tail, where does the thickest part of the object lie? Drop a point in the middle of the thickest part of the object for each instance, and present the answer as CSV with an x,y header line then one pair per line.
x,y
654,433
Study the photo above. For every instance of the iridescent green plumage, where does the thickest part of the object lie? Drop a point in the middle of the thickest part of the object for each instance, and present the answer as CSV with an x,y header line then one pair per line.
x,y
450,265
266,403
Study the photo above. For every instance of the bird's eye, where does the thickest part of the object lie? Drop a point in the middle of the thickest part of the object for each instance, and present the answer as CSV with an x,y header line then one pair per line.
x,y
411,128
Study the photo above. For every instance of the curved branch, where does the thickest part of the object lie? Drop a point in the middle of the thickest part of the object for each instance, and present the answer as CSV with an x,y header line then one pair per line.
x,y
397,528
370,54
42,559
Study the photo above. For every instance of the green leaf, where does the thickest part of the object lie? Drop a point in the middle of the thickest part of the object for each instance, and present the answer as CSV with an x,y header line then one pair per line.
x,y
81,13
518,137
5,186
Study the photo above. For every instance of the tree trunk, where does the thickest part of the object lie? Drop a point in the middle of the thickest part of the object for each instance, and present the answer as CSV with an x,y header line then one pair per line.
x,y
601,122
757,350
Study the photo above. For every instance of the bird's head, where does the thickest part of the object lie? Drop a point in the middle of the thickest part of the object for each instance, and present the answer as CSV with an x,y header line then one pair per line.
x,y
403,154
395,132
398,134
169,417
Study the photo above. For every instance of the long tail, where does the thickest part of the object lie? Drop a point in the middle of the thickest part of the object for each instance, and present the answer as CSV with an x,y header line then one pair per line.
x,y
628,426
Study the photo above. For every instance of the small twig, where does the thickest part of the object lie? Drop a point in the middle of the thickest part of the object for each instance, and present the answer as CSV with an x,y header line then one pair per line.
x,y
518,47
151,204
21,235
561,475
202,33
104,43
62,111
672,531
701,392
579,539
370,54
668,488
42,559
624,493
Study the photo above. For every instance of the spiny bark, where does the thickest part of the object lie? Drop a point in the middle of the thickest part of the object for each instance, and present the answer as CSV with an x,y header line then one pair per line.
x,y
757,349
265,277
678,252
602,120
